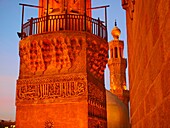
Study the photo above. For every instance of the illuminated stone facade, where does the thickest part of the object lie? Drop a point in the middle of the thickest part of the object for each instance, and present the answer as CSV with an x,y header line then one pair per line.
x,y
148,27
61,6
62,80
117,65
117,112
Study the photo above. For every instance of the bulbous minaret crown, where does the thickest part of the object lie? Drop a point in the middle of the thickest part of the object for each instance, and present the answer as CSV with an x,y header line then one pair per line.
x,y
117,65
116,32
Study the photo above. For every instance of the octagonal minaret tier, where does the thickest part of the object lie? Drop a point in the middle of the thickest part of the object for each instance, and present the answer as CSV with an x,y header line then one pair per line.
x,y
63,6
117,65
63,55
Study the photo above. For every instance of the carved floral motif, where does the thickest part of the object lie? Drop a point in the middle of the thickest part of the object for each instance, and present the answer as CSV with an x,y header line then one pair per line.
x,y
49,124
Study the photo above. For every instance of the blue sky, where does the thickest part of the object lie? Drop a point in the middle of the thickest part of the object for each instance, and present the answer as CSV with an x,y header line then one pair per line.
x,y
10,24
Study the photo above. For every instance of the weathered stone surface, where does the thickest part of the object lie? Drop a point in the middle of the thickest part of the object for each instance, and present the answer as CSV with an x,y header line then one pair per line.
x,y
117,65
149,56
61,81
60,115
51,90
52,53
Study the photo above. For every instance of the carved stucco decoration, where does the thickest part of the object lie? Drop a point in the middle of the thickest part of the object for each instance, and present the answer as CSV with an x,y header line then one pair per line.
x,y
128,5
97,56
96,101
48,56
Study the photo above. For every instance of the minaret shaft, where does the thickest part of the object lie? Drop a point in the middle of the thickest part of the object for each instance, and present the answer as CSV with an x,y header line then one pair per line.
x,y
63,6
117,65
62,63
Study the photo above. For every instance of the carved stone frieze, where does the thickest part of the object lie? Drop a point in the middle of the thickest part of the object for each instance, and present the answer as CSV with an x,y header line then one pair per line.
x,y
41,90
128,5
43,56
96,101
63,68
95,92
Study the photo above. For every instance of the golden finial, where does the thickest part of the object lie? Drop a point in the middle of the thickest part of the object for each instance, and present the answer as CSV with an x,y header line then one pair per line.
x,y
116,32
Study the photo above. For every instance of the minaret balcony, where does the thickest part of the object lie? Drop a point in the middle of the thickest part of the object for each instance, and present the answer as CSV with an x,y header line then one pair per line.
x,y
117,61
64,22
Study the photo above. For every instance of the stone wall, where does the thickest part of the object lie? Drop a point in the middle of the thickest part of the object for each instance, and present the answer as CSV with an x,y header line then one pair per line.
x,y
148,27
62,115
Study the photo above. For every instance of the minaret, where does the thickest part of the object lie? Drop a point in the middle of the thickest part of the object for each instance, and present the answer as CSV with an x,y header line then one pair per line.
x,y
117,65
63,55
64,6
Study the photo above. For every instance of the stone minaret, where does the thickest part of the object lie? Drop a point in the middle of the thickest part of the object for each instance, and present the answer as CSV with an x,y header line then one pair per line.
x,y
63,55
63,6
117,65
